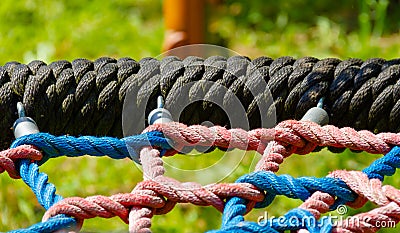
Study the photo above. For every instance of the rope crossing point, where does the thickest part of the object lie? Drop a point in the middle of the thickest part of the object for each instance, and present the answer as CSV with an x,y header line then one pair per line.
x,y
158,194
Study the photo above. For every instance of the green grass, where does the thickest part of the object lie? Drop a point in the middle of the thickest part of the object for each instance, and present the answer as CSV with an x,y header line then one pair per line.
x,y
51,30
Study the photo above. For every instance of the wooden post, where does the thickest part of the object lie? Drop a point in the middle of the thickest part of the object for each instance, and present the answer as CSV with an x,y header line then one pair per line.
x,y
184,23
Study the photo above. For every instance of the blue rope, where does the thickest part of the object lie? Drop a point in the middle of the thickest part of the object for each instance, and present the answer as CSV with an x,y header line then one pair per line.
x,y
45,193
53,224
301,188
298,188
38,182
53,146
292,220
385,166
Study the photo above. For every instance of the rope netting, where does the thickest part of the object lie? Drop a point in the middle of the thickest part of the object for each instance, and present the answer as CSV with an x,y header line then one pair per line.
x,y
158,194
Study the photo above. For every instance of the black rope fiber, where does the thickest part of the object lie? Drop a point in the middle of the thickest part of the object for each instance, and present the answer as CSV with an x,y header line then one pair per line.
x,y
85,97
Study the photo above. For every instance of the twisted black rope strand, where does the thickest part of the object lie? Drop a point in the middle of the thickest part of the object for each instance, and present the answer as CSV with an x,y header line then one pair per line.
x,y
85,97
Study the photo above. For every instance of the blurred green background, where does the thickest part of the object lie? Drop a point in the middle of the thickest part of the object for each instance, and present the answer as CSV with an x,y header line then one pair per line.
x,y
52,30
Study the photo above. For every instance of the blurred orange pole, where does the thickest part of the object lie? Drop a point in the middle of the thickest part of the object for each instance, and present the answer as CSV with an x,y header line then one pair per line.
x,y
184,23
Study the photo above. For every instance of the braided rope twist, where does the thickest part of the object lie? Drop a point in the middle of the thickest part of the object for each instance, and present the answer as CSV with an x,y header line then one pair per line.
x,y
295,133
86,97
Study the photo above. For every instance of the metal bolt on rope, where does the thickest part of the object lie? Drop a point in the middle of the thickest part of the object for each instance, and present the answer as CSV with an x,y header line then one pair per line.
x,y
160,114
24,125
317,114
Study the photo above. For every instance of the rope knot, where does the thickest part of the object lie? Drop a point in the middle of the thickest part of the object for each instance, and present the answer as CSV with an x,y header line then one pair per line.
x,y
305,136
184,136
102,206
365,188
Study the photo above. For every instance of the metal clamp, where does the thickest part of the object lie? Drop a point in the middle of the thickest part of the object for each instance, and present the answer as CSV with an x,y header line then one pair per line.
x,y
160,114
317,114
24,125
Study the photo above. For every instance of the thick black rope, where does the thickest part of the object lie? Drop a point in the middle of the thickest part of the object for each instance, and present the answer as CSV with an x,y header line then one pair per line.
x,y
86,98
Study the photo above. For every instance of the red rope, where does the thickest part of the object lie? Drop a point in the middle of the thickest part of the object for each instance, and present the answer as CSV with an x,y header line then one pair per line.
x,y
386,197
105,207
155,186
8,158
158,194
303,135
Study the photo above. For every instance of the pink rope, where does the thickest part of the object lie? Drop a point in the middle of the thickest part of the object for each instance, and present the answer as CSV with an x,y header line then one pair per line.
x,y
386,197
102,206
176,191
152,164
291,132
145,205
289,137
8,158
183,135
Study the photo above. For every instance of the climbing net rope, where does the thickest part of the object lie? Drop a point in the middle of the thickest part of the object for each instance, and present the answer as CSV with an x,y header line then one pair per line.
x,y
158,194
